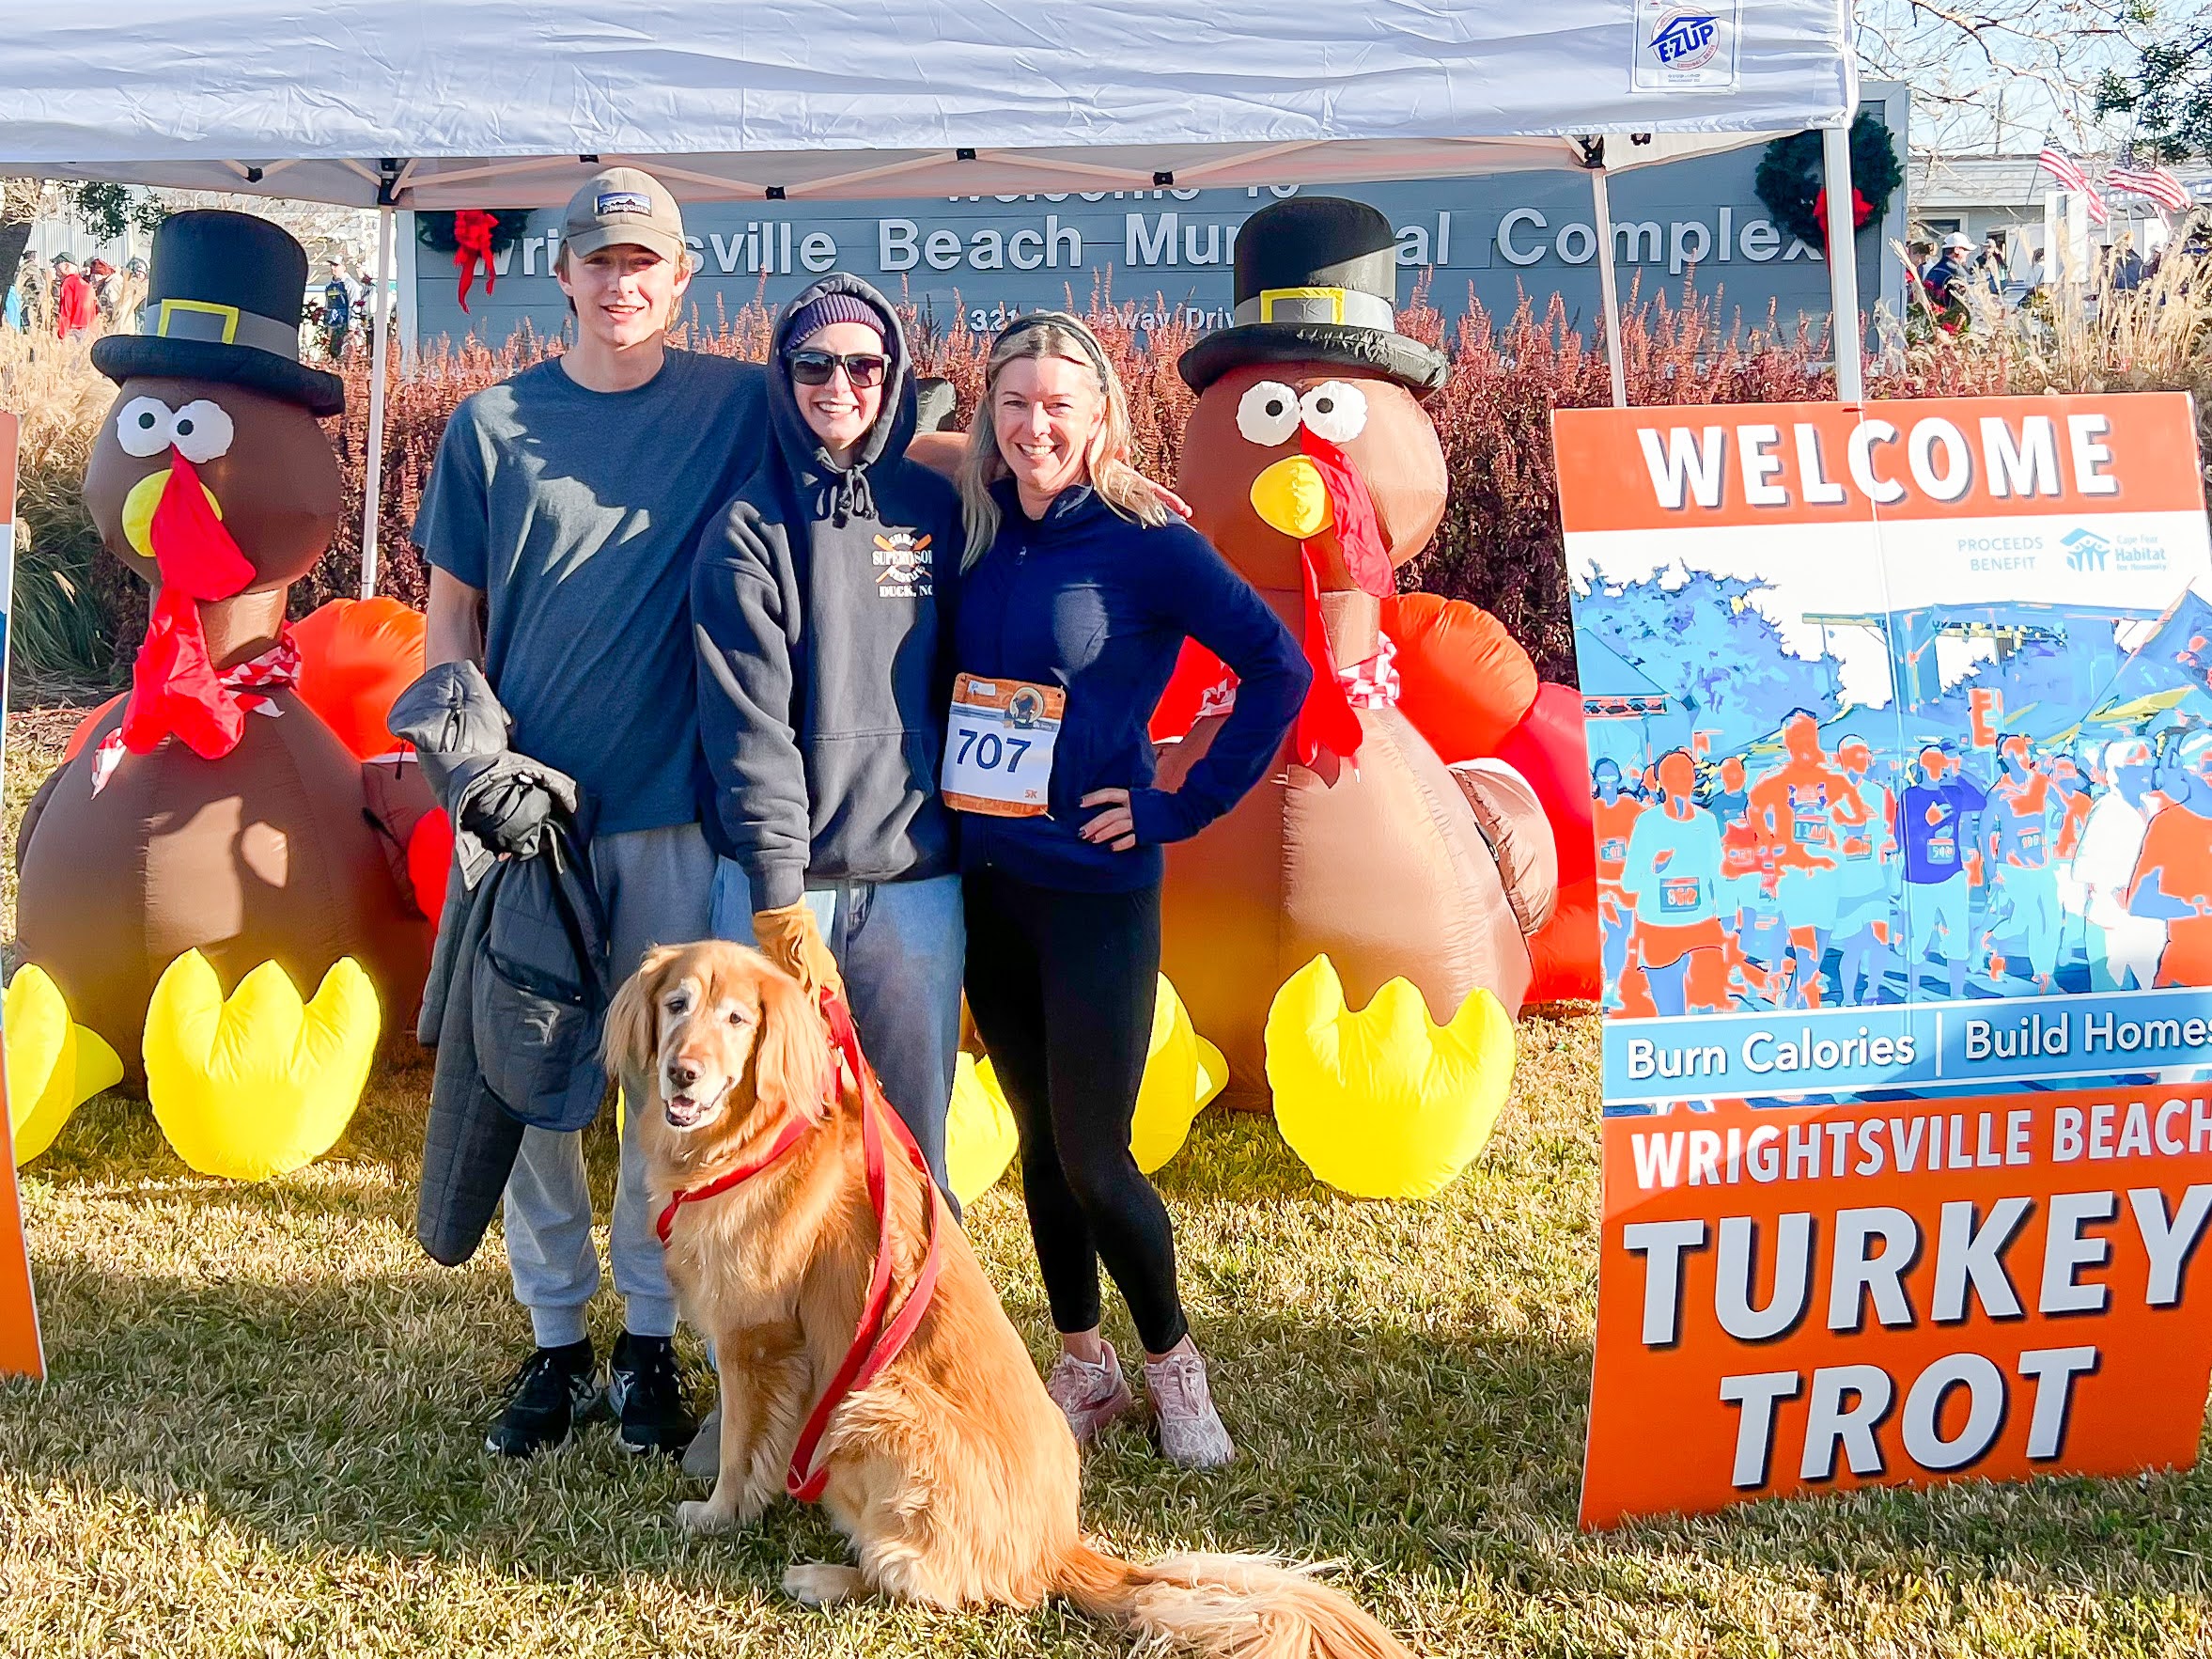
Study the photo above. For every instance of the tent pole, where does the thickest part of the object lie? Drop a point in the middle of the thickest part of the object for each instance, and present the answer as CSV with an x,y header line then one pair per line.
x,y
1848,333
1608,289
381,324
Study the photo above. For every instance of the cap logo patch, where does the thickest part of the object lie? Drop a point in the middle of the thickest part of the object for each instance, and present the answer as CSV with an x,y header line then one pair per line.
x,y
622,201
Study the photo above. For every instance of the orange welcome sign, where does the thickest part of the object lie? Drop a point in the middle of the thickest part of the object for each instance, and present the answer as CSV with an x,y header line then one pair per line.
x,y
1897,716
1812,1299
21,1352
1812,464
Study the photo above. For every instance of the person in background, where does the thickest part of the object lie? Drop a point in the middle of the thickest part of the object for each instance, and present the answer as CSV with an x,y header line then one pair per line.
x,y
822,625
1951,268
11,308
1063,903
1614,816
2126,270
1732,800
2174,870
33,283
76,309
1673,876
107,291
1866,904
338,302
1936,821
2124,945
2017,829
560,523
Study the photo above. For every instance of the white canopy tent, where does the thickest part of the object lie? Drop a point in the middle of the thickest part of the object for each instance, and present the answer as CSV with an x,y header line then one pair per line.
x,y
450,104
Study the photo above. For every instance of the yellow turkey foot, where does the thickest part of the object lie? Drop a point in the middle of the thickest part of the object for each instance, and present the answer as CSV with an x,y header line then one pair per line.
x,y
256,1084
54,1065
1384,1102
1182,1074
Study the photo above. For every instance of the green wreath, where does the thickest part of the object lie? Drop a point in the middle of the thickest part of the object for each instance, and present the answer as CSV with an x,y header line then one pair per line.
x,y
435,230
1792,183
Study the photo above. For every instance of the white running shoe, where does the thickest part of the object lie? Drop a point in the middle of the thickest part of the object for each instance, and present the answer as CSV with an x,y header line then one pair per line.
x,y
1190,1430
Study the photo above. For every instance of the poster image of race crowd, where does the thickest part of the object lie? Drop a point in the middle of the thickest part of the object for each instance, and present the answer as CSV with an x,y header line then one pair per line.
x,y
1909,779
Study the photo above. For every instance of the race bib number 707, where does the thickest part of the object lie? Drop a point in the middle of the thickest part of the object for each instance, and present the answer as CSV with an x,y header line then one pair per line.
x,y
998,746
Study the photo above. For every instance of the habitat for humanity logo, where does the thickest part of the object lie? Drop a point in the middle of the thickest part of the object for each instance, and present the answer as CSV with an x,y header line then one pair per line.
x,y
2086,551
1686,40
2092,554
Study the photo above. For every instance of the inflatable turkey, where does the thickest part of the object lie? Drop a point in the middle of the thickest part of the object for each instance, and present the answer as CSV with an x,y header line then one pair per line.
x,y
1309,462
213,809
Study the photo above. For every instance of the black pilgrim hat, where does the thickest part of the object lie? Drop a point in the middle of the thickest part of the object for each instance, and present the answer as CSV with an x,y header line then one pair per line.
x,y
1317,282
222,304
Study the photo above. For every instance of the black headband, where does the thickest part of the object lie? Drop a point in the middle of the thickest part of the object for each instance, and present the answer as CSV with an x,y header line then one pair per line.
x,y
1067,323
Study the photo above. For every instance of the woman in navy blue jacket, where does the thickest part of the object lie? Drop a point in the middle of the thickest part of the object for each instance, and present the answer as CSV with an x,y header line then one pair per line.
x,y
1079,587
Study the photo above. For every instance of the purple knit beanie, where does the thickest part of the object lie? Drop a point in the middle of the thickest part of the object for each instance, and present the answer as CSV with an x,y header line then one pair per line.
x,y
824,309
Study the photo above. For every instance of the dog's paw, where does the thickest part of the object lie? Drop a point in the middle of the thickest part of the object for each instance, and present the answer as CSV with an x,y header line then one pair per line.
x,y
818,1584
700,1517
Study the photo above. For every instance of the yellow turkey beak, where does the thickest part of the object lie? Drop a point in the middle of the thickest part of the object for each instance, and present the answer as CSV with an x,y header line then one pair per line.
x,y
1291,496
138,507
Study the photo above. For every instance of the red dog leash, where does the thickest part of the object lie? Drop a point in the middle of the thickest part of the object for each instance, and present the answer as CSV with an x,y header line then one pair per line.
x,y
875,1344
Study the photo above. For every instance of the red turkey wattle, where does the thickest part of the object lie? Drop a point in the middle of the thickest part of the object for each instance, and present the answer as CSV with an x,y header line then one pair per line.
x,y
196,556
176,690
1326,720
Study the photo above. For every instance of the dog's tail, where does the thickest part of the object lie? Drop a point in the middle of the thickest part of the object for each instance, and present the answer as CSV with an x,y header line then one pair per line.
x,y
1227,1606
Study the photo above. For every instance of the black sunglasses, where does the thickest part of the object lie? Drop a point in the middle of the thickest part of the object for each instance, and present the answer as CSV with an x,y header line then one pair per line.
x,y
814,368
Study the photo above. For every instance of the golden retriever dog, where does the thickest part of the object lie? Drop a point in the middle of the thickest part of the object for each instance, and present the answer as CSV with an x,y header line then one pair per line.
x,y
952,1473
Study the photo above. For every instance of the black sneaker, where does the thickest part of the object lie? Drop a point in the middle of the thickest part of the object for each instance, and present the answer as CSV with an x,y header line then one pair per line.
x,y
643,1390
554,1390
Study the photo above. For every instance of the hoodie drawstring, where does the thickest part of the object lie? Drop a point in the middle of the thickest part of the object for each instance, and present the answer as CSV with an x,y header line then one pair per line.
x,y
847,496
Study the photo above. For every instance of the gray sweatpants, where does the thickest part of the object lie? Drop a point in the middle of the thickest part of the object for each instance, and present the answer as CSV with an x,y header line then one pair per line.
x,y
658,886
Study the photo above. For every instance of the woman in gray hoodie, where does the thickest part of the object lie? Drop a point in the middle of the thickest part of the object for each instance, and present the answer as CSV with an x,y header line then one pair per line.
x,y
820,606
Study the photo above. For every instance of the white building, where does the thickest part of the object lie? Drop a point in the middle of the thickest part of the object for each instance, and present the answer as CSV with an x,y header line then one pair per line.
x,y
1976,195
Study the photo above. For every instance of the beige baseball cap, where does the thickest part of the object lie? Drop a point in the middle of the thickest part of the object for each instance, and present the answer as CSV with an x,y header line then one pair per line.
x,y
623,205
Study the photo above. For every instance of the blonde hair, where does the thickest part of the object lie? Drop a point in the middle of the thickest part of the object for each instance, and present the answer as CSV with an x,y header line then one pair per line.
x,y
1120,486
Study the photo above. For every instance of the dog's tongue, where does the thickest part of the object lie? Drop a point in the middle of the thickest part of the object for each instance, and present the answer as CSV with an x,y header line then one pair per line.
x,y
196,554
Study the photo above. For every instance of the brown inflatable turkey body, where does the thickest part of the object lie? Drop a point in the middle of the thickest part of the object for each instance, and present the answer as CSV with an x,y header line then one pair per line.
x,y
212,809
1309,463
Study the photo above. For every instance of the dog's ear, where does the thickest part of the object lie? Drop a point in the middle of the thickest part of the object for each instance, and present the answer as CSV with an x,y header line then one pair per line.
x,y
791,1055
632,1033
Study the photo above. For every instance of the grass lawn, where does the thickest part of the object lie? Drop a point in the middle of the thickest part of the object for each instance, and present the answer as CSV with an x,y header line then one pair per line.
x,y
261,1434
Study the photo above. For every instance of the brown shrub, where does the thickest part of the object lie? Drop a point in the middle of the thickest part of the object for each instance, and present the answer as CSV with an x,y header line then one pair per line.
x,y
1499,545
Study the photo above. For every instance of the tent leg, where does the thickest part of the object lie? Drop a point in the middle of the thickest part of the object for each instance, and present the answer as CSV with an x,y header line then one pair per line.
x,y
380,353
1848,331
1608,289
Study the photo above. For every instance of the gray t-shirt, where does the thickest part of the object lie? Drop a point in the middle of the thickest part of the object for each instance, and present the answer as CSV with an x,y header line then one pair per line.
x,y
576,512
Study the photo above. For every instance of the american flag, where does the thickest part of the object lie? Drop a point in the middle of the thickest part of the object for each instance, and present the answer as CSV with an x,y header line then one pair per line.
x,y
2068,171
2155,182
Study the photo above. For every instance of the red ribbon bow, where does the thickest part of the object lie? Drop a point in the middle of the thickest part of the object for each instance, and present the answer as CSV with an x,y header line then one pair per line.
x,y
1862,211
472,248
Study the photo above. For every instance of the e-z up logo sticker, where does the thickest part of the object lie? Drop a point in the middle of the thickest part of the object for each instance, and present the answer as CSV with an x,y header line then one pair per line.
x,y
1687,39
1679,46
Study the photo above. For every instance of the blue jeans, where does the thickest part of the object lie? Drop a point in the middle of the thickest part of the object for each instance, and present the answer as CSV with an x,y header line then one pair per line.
x,y
901,948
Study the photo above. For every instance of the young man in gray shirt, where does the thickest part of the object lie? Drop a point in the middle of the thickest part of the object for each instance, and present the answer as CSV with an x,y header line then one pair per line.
x,y
559,524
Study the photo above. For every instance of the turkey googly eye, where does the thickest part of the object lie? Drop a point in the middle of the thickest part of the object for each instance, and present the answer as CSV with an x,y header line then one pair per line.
x,y
146,427
202,431
1335,411
1267,415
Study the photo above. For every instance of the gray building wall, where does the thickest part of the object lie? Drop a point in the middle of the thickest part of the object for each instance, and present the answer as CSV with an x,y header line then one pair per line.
x,y
1695,223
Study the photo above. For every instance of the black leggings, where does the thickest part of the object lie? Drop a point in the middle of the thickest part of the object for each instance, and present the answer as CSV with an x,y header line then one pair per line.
x,y
1062,986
